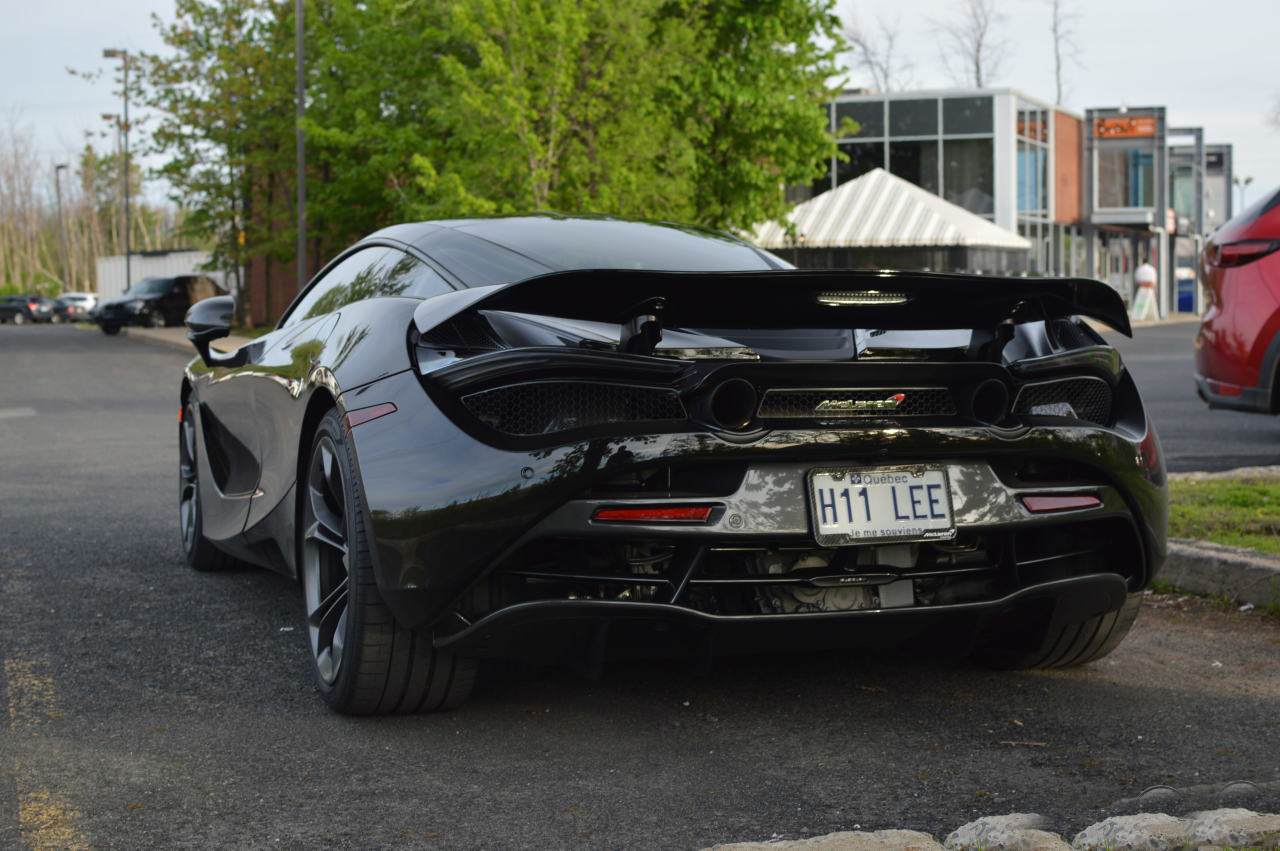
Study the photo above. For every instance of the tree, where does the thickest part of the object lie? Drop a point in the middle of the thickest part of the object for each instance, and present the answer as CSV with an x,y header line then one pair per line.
x,y
971,48
750,98
876,52
1065,48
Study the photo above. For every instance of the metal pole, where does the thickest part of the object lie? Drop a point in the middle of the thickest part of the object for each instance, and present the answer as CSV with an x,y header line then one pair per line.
x,y
128,271
301,261
62,224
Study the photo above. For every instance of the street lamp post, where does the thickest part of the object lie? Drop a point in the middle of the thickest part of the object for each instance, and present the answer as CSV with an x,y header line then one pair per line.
x,y
62,224
1243,183
123,56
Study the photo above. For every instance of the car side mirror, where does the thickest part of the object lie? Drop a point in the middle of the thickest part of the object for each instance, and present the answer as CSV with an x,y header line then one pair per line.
x,y
210,320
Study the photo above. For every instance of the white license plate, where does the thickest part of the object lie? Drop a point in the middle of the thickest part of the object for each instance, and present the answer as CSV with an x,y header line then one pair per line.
x,y
864,506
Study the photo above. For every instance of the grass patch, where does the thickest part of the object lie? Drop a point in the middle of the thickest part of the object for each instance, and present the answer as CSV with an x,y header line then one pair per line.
x,y
1234,512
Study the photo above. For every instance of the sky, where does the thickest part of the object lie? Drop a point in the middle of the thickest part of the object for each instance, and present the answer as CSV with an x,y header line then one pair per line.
x,y
1212,64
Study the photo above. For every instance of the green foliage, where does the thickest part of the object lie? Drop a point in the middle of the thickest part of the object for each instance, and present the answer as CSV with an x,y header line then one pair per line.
x,y
691,110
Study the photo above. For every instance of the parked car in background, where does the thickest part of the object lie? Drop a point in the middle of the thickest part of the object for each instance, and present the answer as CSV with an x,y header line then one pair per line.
x,y
75,307
547,437
1238,345
155,301
21,309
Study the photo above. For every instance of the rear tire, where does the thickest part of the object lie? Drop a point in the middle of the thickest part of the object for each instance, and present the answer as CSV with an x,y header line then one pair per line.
x,y
200,552
1065,647
19,318
110,330
365,663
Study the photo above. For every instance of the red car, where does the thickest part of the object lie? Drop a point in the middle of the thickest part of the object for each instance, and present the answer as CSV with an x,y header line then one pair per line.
x,y
1238,346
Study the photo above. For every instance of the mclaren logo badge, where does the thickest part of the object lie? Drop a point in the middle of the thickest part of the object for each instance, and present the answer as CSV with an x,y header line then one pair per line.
x,y
889,404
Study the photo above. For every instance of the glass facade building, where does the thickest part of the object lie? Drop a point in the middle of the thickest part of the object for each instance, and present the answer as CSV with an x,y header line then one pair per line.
x,y
995,152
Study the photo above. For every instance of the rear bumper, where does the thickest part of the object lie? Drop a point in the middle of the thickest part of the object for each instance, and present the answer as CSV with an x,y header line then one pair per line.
x,y
1220,394
445,508
551,630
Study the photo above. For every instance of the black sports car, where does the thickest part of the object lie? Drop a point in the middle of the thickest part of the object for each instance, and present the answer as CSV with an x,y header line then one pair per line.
x,y
527,437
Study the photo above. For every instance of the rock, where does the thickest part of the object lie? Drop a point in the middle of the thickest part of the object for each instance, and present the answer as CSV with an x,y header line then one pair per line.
x,y
854,840
1141,832
1234,826
1013,832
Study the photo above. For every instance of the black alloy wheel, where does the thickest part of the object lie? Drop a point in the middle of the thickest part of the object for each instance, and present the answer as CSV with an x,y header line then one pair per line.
x,y
364,662
200,552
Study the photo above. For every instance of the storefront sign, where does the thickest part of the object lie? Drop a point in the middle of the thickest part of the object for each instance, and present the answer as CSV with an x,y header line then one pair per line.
x,y
1124,126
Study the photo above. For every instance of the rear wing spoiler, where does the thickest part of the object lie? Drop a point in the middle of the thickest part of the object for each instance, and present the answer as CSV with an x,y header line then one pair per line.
x,y
790,299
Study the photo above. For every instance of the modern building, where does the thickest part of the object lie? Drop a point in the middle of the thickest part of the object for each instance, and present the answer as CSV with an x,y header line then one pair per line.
x,y
997,153
1094,196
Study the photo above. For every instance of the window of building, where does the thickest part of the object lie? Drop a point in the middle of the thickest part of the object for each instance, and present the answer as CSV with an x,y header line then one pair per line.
x,y
913,117
868,114
1126,177
966,115
969,174
863,156
1033,166
916,162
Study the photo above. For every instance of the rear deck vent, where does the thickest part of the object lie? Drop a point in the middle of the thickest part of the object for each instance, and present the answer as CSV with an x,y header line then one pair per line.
x,y
543,407
1082,398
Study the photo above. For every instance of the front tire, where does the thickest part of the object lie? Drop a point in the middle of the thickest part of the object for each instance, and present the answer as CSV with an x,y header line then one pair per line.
x,y
365,663
1064,647
200,552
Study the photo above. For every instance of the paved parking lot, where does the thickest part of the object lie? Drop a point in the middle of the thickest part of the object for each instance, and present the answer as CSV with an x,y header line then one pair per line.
x,y
149,706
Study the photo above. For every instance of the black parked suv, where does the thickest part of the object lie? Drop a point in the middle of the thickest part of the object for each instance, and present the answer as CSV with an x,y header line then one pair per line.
x,y
155,301
21,309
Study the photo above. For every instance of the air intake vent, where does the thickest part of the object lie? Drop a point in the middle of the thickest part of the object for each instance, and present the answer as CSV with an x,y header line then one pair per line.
x,y
1083,398
543,407
862,402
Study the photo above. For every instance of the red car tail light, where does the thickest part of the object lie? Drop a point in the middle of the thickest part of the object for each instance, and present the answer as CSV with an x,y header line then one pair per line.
x,y
1041,503
655,514
32,305
1239,253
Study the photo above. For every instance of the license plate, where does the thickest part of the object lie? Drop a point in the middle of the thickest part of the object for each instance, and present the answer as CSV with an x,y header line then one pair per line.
x,y
879,505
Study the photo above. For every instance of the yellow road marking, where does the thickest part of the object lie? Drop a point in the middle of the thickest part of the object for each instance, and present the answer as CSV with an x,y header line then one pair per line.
x,y
46,819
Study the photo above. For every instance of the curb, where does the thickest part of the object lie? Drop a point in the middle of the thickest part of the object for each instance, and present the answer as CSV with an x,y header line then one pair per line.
x,y
1244,575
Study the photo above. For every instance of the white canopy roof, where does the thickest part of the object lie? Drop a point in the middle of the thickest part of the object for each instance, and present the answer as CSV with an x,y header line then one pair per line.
x,y
881,210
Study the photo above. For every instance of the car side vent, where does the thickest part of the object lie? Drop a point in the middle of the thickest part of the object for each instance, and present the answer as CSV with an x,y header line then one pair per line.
x,y
1082,398
862,402
543,407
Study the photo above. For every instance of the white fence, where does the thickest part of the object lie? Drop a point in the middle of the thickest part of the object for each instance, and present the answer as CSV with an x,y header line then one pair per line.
x,y
153,264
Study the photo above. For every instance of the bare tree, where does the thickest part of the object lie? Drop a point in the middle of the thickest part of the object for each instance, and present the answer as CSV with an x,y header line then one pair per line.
x,y
1065,48
876,52
971,48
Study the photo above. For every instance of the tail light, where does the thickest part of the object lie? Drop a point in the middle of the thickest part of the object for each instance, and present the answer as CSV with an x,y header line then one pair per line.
x,y
655,514
32,305
1239,253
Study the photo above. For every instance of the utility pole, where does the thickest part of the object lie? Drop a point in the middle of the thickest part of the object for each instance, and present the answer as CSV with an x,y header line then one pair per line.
x,y
300,263
62,224
123,56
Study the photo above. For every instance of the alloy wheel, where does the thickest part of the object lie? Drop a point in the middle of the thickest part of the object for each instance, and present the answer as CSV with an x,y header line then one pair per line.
x,y
324,559
188,489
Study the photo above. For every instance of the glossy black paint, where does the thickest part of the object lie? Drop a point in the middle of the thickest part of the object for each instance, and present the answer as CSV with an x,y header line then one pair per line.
x,y
446,500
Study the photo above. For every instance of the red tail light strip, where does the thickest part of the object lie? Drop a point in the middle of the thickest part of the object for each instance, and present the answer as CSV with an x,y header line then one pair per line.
x,y
1043,503
1240,253
363,415
655,514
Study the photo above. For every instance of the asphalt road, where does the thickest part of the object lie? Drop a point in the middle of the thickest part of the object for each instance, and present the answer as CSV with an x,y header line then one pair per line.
x,y
150,706
1194,437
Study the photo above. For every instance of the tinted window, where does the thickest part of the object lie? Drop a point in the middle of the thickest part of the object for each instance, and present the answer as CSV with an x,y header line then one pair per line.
x,y
358,276
407,276
477,262
913,117
607,244
915,161
870,117
966,115
150,286
863,156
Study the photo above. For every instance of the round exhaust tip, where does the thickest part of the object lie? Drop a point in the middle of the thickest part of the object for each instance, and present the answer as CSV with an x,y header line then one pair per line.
x,y
732,403
991,401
